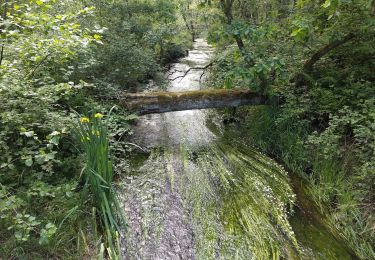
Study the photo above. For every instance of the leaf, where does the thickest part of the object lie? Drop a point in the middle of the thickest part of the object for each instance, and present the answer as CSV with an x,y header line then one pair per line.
x,y
40,159
97,37
131,117
29,162
29,133
326,4
3,165
55,140
50,156
54,133
296,32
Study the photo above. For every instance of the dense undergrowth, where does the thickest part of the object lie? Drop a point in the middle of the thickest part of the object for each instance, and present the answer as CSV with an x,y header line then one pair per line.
x,y
336,191
58,58
315,62
314,58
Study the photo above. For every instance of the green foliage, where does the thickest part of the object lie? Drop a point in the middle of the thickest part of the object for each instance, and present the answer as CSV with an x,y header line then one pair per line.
x,y
92,132
251,68
120,61
324,128
24,51
40,203
47,232
23,224
57,56
34,173
138,37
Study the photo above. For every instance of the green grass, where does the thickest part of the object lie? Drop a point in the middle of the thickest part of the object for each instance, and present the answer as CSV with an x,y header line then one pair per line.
x,y
332,183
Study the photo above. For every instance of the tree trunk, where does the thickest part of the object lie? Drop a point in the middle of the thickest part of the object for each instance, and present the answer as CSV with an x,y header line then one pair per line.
x,y
227,9
3,43
160,102
192,31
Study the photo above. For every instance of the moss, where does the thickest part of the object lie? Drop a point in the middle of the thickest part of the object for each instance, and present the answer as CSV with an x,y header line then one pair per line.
x,y
312,228
134,101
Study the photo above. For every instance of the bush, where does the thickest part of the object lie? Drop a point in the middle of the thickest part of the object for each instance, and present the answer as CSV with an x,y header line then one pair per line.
x,y
173,52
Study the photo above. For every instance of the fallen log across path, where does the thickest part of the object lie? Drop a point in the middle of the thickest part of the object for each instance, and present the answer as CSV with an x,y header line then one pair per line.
x,y
161,102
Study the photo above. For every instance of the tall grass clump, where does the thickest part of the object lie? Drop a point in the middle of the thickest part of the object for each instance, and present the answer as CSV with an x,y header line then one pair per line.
x,y
98,176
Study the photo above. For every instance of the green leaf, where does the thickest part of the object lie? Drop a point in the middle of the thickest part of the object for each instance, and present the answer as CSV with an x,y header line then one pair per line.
x,y
296,32
50,156
29,162
47,233
97,37
29,133
54,133
40,159
55,140
326,4
131,117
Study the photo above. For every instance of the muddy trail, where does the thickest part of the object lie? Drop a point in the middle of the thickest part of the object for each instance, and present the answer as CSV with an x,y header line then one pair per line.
x,y
201,194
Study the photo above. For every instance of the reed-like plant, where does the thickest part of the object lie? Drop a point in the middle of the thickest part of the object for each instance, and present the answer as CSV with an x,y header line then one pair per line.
x,y
98,175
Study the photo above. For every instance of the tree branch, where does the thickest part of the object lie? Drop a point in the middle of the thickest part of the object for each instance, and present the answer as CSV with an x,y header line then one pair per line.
x,y
38,65
308,66
1,53
204,71
300,78
190,69
170,73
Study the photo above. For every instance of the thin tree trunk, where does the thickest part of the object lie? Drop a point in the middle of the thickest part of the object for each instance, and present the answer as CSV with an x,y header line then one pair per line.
x,y
227,9
4,18
192,31
1,53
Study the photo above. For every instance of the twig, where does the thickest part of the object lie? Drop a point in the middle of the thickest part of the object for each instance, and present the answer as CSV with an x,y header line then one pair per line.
x,y
137,146
195,68
200,78
38,65
174,71
1,53
183,76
